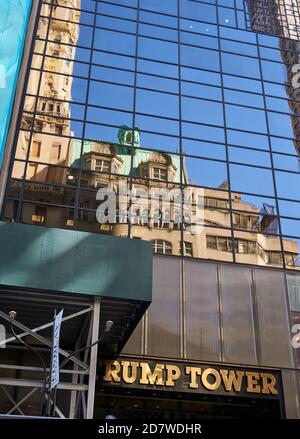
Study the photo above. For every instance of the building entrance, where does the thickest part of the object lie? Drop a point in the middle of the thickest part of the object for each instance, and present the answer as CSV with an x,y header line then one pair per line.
x,y
173,406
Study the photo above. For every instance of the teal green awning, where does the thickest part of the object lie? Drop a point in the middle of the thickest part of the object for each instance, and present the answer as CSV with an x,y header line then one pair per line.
x,y
74,262
42,266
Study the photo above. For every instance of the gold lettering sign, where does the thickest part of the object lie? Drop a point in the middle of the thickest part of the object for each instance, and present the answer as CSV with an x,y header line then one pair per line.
x,y
232,380
193,372
193,378
129,377
173,373
112,370
216,378
155,377
253,382
268,383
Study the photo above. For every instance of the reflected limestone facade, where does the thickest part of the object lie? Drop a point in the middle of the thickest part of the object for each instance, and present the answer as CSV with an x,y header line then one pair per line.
x,y
276,17
107,166
52,108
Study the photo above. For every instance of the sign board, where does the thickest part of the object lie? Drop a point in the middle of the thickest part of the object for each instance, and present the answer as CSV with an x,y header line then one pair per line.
x,y
13,24
190,377
55,351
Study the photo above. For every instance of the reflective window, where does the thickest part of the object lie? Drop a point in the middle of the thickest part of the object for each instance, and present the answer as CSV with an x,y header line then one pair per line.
x,y
245,118
114,42
158,50
200,58
167,7
254,180
197,110
240,65
155,103
202,12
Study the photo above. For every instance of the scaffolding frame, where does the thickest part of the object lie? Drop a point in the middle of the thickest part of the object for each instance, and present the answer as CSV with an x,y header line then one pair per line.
x,y
81,393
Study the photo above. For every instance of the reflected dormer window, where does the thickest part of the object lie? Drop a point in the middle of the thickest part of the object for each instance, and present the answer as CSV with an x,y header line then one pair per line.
x,y
160,174
102,165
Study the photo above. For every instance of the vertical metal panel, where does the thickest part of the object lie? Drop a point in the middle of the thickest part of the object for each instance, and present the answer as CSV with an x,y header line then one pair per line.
x,y
134,344
273,319
163,325
293,288
237,314
291,383
202,321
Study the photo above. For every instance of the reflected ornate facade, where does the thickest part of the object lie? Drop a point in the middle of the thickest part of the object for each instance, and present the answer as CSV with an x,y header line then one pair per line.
x,y
282,18
106,165
50,112
276,17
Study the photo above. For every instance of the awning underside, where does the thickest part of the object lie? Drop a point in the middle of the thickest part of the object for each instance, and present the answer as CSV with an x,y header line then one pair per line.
x,y
35,309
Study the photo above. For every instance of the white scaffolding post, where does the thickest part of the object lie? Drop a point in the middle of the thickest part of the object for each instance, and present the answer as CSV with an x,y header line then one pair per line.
x,y
93,360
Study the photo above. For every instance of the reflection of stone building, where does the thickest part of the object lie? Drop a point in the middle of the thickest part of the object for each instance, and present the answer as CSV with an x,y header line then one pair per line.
x,y
282,18
106,165
54,87
290,50
276,17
